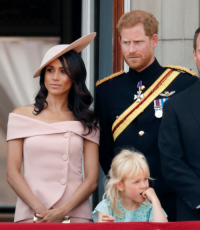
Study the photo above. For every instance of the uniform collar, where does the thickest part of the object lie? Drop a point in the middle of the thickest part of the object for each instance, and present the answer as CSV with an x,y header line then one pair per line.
x,y
147,73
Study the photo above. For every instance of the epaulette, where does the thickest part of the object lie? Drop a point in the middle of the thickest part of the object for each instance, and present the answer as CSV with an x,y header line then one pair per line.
x,y
181,69
109,77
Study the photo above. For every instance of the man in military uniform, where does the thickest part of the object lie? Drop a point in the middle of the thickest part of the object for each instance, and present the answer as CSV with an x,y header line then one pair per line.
x,y
179,143
129,105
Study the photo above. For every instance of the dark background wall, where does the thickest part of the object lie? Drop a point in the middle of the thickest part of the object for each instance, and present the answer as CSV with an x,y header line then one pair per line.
x,y
105,58
61,18
105,38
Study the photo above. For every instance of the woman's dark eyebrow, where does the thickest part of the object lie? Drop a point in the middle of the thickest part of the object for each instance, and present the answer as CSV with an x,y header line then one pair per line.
x,y
53,66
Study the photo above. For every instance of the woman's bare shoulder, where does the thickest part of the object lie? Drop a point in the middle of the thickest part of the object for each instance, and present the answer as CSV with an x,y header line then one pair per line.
x,y
26,110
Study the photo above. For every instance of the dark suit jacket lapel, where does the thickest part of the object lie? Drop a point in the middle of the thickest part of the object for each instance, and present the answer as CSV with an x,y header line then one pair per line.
x,y
193,100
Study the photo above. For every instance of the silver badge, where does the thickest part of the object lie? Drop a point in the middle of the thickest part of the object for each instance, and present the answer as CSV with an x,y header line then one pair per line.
x,y
167,93
139,96
158,113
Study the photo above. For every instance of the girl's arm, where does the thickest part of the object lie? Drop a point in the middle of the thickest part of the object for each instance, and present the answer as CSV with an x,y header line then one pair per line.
x,y
91,169
159,215
14,178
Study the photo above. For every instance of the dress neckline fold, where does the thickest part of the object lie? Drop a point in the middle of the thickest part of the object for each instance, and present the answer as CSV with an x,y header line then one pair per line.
x,y
15,114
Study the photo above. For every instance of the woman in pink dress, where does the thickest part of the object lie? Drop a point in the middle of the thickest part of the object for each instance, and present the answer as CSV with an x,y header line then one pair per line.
x,y
49,138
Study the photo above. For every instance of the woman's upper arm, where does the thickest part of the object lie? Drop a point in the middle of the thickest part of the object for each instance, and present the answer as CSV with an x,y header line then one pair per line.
x,y
14,154
91,159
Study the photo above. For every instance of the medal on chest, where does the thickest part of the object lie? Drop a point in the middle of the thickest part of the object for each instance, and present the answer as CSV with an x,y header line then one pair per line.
x,y
158,107
139,95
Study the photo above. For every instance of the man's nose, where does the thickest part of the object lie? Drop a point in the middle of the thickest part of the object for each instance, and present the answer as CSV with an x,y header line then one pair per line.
x,y
132,48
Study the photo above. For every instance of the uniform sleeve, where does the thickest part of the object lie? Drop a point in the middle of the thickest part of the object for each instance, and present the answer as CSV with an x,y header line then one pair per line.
x,y
176,171
103,207
106,153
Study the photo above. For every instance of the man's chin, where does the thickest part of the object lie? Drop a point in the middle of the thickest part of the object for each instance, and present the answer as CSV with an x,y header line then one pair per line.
x,y
132,64
135,67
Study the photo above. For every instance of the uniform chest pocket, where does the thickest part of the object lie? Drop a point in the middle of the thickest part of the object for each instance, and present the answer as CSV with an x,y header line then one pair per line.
x,y
155,116
114,114
147,116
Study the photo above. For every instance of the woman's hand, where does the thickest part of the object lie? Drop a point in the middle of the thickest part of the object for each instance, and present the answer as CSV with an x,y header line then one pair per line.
x,y
53,215
105,217
150,195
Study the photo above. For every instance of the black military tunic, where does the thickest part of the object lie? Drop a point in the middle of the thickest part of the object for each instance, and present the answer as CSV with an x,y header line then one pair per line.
x,y
113,97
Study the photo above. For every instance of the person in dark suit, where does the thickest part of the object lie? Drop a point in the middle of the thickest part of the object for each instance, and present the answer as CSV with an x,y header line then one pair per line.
x,y
115,94
179,143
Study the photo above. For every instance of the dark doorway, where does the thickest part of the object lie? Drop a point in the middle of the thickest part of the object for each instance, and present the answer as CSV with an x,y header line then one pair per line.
x,y
61,18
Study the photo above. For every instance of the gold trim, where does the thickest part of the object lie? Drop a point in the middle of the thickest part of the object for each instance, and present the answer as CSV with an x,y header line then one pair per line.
x,y
163,85
176,67
109,77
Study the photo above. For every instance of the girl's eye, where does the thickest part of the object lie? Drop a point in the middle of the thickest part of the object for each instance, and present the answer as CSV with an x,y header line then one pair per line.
x,y
136,182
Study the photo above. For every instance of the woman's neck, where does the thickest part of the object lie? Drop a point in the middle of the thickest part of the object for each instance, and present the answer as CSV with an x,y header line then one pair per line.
x,y
57,103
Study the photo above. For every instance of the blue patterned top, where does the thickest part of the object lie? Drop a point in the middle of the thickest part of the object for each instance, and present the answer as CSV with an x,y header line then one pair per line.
x,y
143,213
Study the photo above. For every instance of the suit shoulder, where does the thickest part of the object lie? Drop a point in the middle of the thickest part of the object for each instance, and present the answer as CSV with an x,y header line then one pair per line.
x,y
99,82
181,69
180,97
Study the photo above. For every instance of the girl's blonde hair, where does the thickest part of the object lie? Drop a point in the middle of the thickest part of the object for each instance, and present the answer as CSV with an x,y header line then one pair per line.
x,y
127,162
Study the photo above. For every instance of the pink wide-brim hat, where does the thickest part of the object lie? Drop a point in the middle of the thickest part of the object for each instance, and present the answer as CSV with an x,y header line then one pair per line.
x,y
59,50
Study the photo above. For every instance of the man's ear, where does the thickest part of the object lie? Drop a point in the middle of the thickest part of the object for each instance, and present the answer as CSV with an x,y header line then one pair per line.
x,y
154,40
120,186
195,56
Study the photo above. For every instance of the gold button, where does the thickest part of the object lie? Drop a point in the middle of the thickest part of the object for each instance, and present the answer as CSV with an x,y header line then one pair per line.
x,y
141,133
142,87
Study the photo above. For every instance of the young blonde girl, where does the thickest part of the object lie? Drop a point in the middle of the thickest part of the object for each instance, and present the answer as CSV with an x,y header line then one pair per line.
x,y
129,197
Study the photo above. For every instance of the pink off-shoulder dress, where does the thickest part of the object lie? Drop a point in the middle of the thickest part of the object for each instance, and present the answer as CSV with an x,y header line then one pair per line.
x,y
52,156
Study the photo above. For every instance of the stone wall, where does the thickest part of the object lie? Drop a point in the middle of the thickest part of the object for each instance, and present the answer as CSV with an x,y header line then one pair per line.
x,y
178,20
